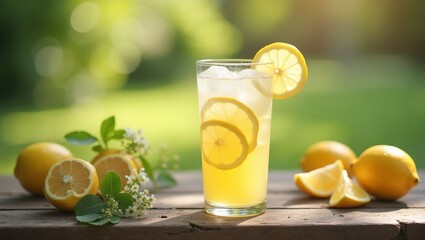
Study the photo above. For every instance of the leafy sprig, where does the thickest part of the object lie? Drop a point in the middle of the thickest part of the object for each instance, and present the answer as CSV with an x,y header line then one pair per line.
x,y
107,133
115,203
134,143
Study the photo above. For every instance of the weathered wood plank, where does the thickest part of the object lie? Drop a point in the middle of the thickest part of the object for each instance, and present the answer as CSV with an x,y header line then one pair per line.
x,y
196,201
191,181
178,214
184,196
191,200
195,224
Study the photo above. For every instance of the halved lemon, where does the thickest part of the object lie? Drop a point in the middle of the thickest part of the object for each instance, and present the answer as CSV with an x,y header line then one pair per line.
x,y
320,182
68,181
223,145
348,194
111,151
120,163
234,112
289,70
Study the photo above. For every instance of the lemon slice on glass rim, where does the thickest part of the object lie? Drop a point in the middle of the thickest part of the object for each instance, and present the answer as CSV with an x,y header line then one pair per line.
x,y
234,112
289,69
223,145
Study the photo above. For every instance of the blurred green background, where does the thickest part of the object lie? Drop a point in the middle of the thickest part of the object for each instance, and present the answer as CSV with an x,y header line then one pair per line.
x,y
67,65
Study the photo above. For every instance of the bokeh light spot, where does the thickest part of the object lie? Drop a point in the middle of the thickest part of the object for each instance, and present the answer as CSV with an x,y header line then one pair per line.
x,y
49,61
85,17
150,33
124,57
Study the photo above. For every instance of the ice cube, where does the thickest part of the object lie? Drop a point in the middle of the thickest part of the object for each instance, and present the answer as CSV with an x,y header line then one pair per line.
x,y
251,73
218,72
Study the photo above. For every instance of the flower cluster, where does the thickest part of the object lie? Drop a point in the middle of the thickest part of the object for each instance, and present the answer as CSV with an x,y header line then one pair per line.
x,y
112,208
134,141
142,200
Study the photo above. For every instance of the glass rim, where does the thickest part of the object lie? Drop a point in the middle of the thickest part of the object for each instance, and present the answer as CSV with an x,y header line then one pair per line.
x,y
230,62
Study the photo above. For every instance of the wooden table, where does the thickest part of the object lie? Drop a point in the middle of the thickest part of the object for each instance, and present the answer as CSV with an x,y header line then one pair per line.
x,y
178,214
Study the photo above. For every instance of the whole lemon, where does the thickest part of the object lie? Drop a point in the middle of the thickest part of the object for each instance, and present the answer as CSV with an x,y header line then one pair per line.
x,y
324,153
34,162
386,172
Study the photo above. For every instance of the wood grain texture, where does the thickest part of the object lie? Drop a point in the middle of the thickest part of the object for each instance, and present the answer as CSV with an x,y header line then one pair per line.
x,y
178,214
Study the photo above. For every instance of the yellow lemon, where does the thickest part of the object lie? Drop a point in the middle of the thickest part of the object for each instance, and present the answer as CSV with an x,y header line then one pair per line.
x,y
234,112
34,162
326,152
289,69
136,161
320,182
348,194
223,145
386,172
68,181
115,161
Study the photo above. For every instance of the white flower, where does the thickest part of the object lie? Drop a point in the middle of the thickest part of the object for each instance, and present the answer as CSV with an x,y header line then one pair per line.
x,y
129,133
135,188
129,178
142,200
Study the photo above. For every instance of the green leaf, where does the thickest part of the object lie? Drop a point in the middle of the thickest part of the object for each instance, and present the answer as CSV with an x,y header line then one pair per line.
x,y
80,138
119,134
105,220
165,179
90,204
97,148
124,200
89,217
111,184
107,129
115,219
148,167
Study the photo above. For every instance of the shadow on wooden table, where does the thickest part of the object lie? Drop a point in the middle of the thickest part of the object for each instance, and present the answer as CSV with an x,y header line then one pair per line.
x,y
182,222
304,202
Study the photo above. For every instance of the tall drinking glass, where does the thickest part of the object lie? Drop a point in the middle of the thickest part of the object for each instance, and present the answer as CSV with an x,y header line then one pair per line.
x,y
235,107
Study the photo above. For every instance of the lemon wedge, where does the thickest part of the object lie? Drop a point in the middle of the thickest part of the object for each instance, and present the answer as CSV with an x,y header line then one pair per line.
x,y
223,145
234,112
289,70
348,194
320,182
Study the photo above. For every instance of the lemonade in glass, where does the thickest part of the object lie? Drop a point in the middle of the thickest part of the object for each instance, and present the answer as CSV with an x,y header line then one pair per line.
x,y
235,108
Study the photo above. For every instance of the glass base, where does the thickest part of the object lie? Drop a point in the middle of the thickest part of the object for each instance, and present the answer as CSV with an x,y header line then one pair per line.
x,y
246,211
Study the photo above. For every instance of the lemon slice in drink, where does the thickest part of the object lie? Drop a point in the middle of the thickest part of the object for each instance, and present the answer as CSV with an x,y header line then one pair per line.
x,y
289,70
223,145
348,194
320,182
234,112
